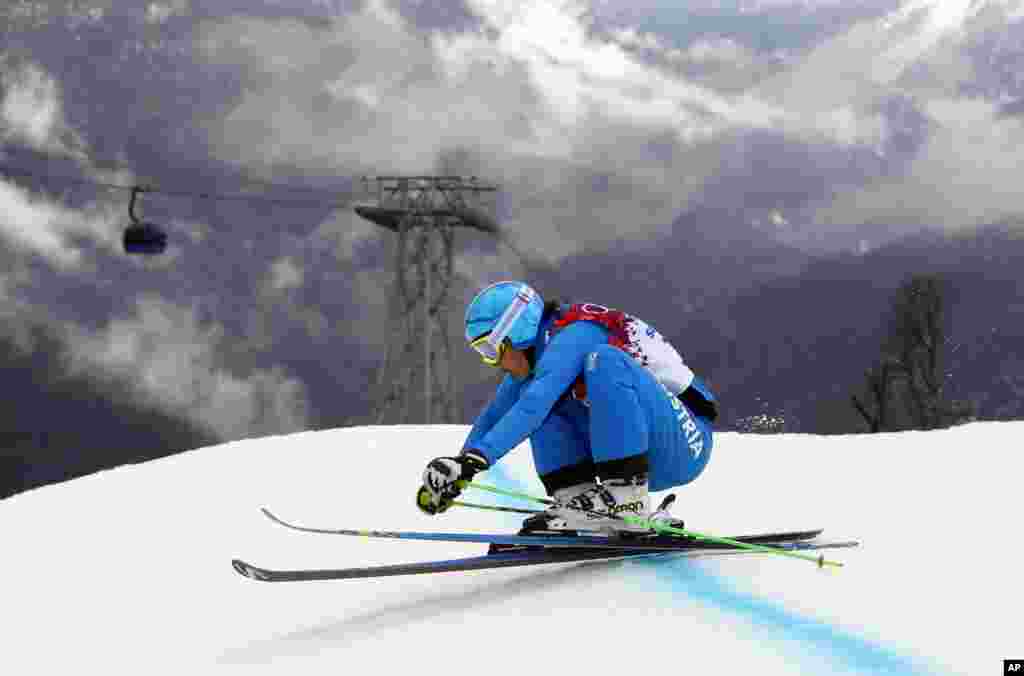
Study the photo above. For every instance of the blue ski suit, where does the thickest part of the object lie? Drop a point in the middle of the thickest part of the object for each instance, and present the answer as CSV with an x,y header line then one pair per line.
x,y
629,413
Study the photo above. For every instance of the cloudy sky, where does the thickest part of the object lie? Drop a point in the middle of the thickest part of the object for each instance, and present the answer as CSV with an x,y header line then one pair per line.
x,y
822,126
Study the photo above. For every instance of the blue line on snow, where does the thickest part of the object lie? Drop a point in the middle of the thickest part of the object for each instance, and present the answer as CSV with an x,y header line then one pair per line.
x,y
691,579
772,620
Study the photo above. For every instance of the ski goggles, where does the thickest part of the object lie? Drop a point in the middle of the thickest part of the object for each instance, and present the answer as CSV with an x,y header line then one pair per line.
x,y
489,353
492,345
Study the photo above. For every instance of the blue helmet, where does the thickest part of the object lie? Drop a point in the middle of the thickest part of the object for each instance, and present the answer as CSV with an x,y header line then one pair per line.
x,y
487,307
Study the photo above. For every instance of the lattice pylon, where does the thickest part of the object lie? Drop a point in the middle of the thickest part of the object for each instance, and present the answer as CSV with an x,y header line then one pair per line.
x,y
416,381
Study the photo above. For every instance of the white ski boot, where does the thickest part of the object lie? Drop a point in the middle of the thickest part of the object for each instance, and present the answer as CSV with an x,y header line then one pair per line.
x,y
585,507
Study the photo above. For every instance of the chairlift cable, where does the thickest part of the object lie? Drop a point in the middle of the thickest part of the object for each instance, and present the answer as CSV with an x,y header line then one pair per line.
x,y
6,169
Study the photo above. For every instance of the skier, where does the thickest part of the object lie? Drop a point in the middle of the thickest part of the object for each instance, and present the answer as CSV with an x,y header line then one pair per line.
x,y
610,409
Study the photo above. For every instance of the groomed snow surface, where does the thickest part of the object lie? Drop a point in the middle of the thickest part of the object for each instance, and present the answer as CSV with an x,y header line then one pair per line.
x,y
128,571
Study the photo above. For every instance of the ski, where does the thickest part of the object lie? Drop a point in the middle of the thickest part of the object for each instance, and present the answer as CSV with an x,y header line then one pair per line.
x,y
666,543
506,559
658,542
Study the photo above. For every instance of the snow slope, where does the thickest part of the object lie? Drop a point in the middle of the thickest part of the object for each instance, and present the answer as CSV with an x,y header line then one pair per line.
x,y
128,571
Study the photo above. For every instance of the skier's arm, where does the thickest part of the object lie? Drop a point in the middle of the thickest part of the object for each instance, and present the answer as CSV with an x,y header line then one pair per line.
x,y
504,398
554,373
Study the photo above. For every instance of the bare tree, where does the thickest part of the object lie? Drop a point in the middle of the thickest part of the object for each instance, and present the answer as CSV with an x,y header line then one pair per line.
x,y
911,366
875,408
920,336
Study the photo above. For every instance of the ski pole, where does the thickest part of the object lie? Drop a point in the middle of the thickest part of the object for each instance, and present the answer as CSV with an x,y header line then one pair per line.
x,y
463,484
494,508
660,528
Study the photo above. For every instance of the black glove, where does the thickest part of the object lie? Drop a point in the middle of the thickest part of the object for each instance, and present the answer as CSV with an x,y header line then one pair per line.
x,y
441,477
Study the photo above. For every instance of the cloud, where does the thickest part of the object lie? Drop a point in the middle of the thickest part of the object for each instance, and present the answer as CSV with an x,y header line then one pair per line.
x,y
285,274
173,360
835,90
32,116
346,233
721,63
578,74
31,111
533,100
960,151
38,225
967,174
919,49
592,135
721,50
159,13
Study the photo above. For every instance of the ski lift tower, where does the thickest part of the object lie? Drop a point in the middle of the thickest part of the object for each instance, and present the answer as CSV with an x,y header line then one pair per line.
x,y
424,211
